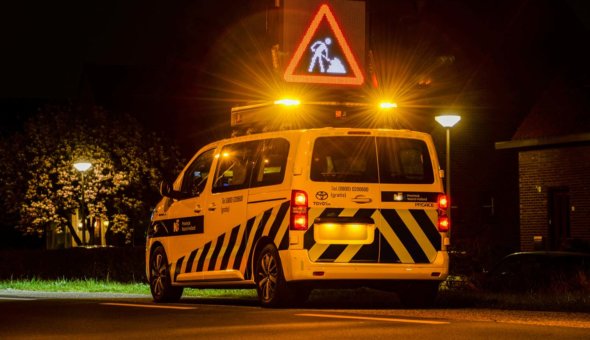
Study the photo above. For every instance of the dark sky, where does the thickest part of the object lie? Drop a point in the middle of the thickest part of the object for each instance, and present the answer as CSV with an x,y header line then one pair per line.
x,y
161,60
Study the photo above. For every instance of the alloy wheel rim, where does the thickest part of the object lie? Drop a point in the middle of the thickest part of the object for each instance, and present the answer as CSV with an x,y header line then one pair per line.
x,y
268,274
158,274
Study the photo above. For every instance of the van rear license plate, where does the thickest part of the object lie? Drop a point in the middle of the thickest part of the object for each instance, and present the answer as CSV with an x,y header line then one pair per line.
x,y
344,233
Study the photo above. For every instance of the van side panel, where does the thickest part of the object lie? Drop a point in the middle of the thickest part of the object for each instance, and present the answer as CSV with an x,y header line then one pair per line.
x,y
234,249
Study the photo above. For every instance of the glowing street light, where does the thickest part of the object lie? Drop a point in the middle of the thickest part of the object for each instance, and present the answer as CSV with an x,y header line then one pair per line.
x,y
82,167
448,121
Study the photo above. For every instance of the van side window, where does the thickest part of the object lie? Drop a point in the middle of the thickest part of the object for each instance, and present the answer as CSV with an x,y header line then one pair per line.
x,y
271,163
234,166
404,160
344,159
195,177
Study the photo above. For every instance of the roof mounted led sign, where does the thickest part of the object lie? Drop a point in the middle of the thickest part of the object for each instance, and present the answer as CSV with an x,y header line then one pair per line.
x,y
324,55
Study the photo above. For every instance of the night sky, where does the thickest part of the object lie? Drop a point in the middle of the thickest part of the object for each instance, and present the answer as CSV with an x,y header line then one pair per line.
x,y
179,66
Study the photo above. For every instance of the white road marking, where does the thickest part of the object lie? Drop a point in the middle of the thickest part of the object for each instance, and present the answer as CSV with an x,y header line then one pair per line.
x,y
16,298
146,306
367,318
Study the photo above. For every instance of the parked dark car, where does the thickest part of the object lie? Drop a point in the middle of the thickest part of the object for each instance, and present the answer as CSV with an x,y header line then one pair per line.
x,y
540,271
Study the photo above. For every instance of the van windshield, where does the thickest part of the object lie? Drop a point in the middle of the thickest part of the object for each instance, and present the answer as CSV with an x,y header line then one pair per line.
x,y
357,158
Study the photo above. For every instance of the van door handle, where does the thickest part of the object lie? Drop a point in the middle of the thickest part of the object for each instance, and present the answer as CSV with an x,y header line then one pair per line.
x,y
212,207
362,199
197,209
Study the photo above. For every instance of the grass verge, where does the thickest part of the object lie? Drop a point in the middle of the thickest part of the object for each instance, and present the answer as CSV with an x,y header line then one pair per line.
x,y
357,298
101,286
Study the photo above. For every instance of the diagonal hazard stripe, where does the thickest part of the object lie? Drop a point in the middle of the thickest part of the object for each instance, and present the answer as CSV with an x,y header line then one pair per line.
x,y
332,253
178,267
316,251
395,243
405,236
418,233
243,243
283,222
201,261
231,248
348,253
427,220
216,251
189,262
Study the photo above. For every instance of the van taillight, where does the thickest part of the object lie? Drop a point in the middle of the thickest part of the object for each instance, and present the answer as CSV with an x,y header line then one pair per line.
x,y
298,210
444,223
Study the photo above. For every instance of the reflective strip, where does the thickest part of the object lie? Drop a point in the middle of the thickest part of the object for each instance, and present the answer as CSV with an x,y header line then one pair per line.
x,y
348,253
232,242
396,244
282,232
316,251
215,254
406,236
234,249
348,212
418,234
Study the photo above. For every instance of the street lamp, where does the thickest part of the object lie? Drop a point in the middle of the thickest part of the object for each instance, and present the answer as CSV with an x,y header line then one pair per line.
x,y
448,121
82,167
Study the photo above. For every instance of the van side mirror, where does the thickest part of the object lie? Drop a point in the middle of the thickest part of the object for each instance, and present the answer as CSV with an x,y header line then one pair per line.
x,y
166,189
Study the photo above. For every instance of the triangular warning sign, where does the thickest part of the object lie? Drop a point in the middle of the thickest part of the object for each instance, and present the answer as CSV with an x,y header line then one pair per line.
x,y
324,56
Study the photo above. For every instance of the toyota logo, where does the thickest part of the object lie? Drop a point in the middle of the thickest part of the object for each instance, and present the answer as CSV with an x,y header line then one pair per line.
x,y
321,195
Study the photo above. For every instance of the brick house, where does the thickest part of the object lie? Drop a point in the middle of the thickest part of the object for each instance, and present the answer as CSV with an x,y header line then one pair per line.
x,y
553,145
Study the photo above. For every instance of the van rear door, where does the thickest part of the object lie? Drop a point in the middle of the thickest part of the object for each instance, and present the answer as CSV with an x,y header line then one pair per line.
x,y
344,200
408,201
373,200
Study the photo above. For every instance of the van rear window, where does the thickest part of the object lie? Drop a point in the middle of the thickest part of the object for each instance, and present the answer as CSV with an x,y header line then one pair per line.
x,y
344,159
403,160
356,159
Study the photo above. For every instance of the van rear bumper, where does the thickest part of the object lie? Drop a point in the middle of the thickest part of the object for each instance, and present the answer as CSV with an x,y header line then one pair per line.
x,y
298,267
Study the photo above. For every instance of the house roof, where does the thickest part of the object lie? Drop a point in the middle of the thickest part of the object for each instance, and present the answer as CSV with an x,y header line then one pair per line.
x,y
561,115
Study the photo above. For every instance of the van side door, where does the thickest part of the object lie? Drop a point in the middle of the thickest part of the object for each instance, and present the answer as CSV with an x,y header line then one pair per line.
x,y
185,218
226,209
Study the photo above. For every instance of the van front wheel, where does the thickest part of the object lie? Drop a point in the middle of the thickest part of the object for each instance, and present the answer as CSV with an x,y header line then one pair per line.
x,y
270,281
160,282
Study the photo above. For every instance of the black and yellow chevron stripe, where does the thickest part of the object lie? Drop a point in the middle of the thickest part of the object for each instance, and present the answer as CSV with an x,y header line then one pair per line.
x,y
234,249
401,236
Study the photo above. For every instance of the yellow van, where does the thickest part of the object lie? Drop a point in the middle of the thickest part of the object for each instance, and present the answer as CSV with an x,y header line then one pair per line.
x,y
289,211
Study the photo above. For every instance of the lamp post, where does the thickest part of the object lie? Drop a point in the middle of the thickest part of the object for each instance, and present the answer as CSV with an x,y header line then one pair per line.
x,y
448,121
82,167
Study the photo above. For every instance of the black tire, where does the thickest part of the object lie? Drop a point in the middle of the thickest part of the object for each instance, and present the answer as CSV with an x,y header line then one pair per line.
x,y
270,281
418,294
160,282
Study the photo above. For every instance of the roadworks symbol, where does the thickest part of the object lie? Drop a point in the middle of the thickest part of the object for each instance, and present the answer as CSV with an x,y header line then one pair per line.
x,y
321,58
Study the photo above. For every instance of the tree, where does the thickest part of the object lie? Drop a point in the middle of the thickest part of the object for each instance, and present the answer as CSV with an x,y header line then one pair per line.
x,y
121,186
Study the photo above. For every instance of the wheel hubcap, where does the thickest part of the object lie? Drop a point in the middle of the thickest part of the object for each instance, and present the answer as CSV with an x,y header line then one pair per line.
x,y
158,274
267,274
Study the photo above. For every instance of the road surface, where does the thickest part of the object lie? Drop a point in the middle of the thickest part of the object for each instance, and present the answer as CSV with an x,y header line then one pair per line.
x,y
34,315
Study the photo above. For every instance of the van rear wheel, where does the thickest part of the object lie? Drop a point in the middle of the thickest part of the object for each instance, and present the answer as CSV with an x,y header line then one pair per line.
x,y
270,281
160,282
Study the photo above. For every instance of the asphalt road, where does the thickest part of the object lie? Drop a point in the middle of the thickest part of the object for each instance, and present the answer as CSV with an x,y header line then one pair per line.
x,y
32,315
